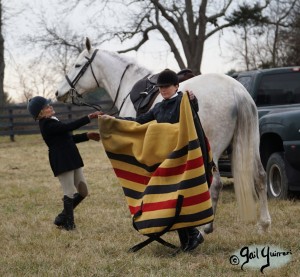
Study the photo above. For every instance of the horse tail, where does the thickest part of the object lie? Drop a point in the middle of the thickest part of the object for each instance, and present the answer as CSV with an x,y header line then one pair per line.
x,y
245,145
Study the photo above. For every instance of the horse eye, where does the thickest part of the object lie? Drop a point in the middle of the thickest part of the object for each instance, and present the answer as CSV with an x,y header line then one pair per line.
x,y
77,65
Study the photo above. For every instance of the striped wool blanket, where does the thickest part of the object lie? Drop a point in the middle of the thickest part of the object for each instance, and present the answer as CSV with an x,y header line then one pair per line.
x,y
161,170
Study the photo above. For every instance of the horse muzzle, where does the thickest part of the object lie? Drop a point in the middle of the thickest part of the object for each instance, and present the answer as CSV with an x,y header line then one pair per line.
x,y
63,98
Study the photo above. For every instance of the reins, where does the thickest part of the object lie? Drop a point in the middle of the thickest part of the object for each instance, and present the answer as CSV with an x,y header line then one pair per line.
x,y
118,91
77,100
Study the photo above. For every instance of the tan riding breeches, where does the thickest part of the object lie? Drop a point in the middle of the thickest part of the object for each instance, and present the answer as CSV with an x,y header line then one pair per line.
x,y
73,181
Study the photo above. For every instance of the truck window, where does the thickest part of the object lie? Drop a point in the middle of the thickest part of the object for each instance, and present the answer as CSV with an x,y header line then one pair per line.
x,y
246,82
279,89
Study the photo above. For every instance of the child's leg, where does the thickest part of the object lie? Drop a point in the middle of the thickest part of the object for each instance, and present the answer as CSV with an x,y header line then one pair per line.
x,y
66,218
66,180
80,182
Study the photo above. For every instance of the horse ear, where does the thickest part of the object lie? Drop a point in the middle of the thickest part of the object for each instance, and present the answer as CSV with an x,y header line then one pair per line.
x,y
88,44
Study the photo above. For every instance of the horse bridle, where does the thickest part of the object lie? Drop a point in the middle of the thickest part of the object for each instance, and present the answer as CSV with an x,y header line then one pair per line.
x,y
77,98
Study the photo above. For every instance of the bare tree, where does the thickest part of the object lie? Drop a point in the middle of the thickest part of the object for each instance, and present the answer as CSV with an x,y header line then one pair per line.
x,y
183,25
5,16
291,39
41,81
51,49
264,45
2,62
8,14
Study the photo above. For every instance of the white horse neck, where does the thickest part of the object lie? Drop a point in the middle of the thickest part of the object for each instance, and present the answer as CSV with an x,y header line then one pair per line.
x,y
118,74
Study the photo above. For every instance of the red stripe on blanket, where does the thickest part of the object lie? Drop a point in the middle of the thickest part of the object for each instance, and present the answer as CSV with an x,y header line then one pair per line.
x,y
171,171
171,204
133,177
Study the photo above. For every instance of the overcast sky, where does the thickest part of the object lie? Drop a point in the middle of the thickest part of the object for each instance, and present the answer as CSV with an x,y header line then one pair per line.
x,y
154,54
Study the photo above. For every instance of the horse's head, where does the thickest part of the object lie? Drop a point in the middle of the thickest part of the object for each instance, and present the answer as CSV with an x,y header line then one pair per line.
x,y
81,77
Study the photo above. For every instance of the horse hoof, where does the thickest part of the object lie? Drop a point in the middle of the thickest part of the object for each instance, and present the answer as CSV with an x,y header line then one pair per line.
x,y
264,227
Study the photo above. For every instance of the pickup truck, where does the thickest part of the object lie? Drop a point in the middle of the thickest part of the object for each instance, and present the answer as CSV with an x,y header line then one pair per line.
x,y
276,93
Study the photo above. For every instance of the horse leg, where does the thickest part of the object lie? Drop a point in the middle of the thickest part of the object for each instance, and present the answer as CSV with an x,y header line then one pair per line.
x,y
215,190
261,188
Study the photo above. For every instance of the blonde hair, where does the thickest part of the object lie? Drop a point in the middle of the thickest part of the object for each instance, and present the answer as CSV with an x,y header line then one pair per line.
x,y
41,114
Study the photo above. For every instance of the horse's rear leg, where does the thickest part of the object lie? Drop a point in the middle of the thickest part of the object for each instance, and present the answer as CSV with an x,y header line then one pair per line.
x,y
215,190
261,188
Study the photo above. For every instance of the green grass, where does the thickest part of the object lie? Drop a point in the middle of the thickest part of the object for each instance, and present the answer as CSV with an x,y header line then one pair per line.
x,y
30,245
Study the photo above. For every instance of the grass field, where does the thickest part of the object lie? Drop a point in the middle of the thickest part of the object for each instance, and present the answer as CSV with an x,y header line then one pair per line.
x,y
30,245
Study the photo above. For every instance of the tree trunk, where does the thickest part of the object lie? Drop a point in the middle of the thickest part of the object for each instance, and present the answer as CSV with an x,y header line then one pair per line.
x,y
2,64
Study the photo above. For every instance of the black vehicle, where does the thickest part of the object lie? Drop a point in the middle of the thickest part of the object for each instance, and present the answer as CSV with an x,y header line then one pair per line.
x,y
276,93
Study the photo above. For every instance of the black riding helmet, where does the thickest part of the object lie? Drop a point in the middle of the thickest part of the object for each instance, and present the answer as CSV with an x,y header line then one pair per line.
x,y
36,104
185,74
167,78
185,71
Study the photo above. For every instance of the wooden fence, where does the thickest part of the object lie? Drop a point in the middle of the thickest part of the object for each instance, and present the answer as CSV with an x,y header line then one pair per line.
x,y
16,120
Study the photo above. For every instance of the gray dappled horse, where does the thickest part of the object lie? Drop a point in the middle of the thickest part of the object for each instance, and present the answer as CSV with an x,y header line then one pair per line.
x,y
227,112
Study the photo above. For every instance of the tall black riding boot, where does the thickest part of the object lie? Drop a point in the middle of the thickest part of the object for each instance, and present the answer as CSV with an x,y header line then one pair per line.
x,y
61,218
68,207
183,237
195,238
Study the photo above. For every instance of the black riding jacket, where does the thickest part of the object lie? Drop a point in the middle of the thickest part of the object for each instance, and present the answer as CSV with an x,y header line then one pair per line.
x,y
166,111
63,152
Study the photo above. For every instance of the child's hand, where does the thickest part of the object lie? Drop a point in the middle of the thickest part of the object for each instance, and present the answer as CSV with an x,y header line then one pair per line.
x,y
93,136
95,115
191,94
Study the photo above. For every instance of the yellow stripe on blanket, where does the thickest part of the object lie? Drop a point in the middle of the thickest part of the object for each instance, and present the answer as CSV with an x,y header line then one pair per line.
x,y
161,170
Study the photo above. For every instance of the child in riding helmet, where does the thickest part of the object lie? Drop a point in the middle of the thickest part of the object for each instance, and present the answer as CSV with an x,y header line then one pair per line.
x,y
168,111
64,157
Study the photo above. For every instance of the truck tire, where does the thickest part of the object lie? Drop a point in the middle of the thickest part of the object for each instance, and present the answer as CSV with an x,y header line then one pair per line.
x,y
277,181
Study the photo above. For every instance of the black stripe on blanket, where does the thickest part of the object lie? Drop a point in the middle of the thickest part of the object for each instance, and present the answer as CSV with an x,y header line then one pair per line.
x,y
131,160
181,219
160,189
194,144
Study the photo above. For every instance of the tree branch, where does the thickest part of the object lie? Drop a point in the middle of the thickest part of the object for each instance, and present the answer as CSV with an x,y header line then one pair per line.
x,y
144,39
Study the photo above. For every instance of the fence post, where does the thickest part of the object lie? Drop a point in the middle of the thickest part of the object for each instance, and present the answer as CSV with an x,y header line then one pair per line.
x,y
11,120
